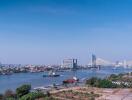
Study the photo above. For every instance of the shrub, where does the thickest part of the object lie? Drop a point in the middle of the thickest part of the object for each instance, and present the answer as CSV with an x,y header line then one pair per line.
x,y
101,83
1,96
9,94
23,90
106,84
10,98
92,81
32,96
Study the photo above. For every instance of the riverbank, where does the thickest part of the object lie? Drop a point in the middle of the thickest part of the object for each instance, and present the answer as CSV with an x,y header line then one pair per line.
x,y
99,93
98,89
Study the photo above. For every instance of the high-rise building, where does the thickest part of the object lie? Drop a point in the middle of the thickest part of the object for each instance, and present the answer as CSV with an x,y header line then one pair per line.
x,y
70,63
0,64
93,60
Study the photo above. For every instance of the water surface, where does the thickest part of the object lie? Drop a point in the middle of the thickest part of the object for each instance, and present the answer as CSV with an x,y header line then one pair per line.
x,y
36,79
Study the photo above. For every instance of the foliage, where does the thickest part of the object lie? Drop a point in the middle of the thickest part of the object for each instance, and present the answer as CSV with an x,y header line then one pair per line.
x,y
93,81
113,81
106,84
9,94
49,98
10,98
1,96
101,83
23,90
115,77
32,96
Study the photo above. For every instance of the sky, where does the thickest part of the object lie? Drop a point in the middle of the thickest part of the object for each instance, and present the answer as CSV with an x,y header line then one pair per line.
x,y
48,31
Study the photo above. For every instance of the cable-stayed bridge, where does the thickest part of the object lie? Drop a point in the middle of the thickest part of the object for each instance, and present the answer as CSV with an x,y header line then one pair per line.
x,y
102,62
129,63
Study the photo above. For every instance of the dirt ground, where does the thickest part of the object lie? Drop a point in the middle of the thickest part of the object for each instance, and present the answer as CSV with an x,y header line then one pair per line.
x,y
105,94
116,94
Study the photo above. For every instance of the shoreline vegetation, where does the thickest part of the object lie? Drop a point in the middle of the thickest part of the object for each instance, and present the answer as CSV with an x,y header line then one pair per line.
x,y
113,81
95,89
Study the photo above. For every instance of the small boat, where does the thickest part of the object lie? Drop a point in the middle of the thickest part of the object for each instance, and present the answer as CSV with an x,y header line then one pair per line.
x,y
7,73
51,74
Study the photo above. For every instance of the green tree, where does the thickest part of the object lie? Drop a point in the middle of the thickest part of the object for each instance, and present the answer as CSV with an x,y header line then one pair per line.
x,y
1,96
23,90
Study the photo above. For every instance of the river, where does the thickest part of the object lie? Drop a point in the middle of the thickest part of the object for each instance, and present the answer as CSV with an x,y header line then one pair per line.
x,y
36,79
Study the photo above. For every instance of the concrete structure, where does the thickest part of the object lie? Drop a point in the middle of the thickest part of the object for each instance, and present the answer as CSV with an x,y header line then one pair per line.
x,y
70,63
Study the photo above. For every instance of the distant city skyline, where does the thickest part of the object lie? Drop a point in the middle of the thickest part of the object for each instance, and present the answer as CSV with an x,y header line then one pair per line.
x,y
48,31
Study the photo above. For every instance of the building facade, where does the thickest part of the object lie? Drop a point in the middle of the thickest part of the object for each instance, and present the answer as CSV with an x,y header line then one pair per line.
x,y
70,63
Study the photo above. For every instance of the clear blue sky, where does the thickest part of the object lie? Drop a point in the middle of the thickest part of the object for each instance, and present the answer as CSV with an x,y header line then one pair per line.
x,y
46,31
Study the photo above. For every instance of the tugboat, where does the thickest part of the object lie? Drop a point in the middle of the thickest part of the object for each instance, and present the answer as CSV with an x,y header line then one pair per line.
x,y
51,74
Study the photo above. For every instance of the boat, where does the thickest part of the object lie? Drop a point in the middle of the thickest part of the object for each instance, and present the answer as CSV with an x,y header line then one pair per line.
x,y
7,73
51,74
71,80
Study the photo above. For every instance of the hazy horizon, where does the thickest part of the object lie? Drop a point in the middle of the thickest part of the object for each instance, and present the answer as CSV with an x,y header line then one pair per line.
x,y
48,31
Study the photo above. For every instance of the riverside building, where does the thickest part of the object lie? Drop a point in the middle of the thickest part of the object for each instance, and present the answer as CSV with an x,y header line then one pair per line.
x,y
70,63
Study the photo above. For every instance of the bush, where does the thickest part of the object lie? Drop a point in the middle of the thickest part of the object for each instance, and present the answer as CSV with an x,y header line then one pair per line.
x,y
101,83
32,96
23,90
113,76
106,84
9,94
10,98
93,81
1,96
